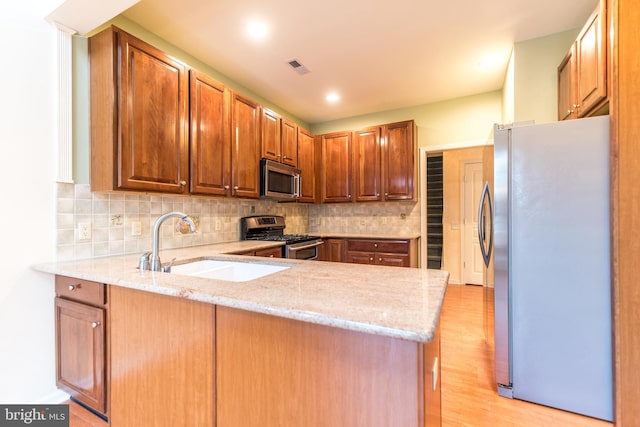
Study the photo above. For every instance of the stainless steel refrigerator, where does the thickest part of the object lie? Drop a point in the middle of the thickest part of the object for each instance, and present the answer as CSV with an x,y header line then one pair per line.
x,y
548,231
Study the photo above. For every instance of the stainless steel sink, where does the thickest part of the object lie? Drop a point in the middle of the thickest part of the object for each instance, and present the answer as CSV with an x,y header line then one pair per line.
x,y
226,270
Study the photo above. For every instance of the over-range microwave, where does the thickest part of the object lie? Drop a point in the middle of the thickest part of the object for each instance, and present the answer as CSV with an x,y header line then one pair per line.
x,y
279,181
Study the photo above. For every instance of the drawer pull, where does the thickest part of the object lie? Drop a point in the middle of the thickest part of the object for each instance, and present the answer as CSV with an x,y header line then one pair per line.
x,y
95,324
74,287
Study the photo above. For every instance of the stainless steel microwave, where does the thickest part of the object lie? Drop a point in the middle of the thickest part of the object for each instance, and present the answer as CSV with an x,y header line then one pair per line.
x,y
279,181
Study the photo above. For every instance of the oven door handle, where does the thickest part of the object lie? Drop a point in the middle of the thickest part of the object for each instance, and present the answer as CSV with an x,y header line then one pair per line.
x,y
310,245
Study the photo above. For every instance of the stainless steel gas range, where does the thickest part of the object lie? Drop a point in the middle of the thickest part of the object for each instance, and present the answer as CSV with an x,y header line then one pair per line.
x,y
271,228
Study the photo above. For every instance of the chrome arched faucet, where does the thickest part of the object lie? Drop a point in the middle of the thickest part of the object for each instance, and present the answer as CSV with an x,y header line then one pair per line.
x,y
153,263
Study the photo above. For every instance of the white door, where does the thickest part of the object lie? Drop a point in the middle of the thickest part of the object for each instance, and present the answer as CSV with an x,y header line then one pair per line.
x,y
472,263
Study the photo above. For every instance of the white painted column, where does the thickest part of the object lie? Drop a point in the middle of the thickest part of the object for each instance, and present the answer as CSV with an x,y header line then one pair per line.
x,y
64,172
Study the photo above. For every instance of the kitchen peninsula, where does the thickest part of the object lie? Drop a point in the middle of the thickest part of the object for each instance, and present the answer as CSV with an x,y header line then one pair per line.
x,y
315,344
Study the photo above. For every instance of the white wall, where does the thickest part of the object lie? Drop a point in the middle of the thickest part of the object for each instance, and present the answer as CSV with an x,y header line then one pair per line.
x,y
468,119
27,120
508,93
535,76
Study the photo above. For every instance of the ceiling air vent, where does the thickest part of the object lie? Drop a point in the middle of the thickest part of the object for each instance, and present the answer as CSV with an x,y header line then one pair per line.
x,y
296,65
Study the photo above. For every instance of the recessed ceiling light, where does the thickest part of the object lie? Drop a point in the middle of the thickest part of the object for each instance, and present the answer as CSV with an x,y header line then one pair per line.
x,y
489,61
257,30
332,97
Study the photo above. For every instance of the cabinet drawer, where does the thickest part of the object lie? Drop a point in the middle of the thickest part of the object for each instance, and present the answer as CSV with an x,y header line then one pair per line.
x,y
390,246
80,290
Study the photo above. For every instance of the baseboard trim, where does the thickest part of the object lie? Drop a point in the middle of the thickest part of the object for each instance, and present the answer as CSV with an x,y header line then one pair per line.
x,y
55,397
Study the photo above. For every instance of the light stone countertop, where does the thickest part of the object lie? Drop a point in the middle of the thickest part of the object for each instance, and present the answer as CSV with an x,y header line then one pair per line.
x,y
396,302
399,236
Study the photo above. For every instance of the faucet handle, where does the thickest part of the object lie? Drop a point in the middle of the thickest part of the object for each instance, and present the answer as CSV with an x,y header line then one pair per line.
x,y
144,261
167,268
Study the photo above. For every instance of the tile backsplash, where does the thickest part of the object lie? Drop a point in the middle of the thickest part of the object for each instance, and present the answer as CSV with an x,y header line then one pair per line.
x,y
115,219
121,222
370,217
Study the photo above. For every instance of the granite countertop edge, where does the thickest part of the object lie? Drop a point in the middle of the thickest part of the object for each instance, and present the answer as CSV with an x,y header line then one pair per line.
x,y
396,302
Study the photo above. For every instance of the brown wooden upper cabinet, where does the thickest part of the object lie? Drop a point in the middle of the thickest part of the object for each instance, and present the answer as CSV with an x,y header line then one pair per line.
x,y
399,161
139,116
366,164
210,136
336,173
245,153
279,138
384,162
308,160
289,144
583,73
271,135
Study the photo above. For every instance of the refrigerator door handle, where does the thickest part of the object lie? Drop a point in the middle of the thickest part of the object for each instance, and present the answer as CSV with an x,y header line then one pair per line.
x,y
484,248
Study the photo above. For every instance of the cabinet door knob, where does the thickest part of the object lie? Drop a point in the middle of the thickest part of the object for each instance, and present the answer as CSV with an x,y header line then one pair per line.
x,y
349,196
226,187
235,187
386,194
182,183
95,324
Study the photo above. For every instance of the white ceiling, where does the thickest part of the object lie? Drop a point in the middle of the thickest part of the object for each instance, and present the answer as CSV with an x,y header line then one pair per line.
x,y
377,54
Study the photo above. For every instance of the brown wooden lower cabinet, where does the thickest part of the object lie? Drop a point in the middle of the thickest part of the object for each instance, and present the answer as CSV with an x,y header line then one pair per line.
x,y
174,361
273,371
80,341
390,252
162,360
270,252
333,250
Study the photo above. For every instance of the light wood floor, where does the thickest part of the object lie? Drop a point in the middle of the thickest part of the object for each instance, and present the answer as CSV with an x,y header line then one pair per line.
x,y
469,398
80,417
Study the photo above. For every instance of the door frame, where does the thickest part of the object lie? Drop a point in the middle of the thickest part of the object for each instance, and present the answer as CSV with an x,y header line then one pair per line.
x,y
422,164
462,182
